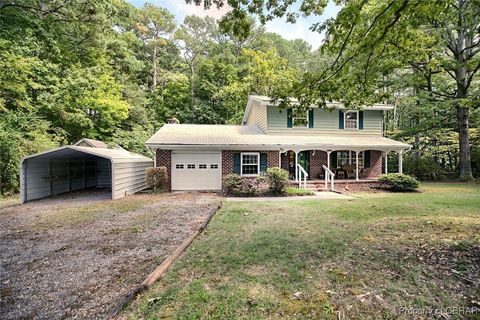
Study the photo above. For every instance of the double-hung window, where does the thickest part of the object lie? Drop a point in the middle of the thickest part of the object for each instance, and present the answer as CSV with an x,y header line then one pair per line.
x,y
299,118
351,119
250,163
348,158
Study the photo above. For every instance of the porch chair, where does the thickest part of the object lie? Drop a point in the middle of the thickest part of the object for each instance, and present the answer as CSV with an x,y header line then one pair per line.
x,y
350,170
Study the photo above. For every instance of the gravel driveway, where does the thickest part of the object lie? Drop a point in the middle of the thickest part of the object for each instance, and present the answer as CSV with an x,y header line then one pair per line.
x,y
76,256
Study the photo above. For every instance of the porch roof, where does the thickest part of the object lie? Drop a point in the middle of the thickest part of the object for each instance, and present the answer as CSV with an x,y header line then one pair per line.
x,y
226,137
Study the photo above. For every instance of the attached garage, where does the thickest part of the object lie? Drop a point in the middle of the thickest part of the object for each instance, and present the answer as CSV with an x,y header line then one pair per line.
x,y
75,168
196,170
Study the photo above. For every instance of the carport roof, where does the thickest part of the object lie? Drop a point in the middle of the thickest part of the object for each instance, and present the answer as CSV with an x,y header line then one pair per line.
x,y
112,154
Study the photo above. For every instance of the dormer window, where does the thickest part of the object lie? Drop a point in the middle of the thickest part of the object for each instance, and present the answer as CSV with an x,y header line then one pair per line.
x,y
299,118
351,119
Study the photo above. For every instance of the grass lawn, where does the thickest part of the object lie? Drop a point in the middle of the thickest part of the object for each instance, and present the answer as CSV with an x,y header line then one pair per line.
x,y
337,259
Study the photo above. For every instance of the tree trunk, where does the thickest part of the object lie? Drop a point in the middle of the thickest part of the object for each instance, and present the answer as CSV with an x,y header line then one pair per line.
x,y
462,112
154,76
464,144
192,92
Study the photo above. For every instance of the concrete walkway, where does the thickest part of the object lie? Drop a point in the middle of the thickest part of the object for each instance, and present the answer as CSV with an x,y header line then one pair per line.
x,y
318,196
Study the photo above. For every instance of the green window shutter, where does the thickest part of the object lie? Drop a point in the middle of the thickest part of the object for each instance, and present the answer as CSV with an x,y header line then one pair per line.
x,y
333,162
366,159
310,118
236,163
289,118
360,120
263,162
340,120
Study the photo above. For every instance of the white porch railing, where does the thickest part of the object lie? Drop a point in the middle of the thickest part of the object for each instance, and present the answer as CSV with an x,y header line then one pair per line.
x,y
329,176
302,174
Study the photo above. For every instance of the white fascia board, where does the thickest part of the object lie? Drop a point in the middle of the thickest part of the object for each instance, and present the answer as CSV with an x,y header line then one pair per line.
x,y
283,147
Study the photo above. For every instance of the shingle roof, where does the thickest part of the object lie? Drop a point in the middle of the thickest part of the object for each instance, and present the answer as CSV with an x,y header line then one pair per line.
x,y
227,137
93,143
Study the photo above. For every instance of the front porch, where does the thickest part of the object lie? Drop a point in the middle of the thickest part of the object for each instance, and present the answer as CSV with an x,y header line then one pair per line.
x,y
348,169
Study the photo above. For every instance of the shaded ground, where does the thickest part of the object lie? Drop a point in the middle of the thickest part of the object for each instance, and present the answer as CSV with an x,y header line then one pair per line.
x,y
77,256
378,256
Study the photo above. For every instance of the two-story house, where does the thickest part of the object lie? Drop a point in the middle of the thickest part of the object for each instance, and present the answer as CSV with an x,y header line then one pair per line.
x,y
349,143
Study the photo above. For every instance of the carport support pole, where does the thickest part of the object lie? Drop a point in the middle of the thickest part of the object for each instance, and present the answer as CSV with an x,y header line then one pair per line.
x,y
154,157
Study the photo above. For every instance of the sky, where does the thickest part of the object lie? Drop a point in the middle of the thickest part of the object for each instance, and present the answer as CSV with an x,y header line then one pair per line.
x,y
287,30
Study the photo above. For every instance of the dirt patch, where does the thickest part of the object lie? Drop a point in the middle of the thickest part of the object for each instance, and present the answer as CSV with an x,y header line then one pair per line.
x,y
77,256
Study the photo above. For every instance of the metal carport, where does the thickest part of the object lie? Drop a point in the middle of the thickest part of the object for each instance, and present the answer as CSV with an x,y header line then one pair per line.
x,y
74,168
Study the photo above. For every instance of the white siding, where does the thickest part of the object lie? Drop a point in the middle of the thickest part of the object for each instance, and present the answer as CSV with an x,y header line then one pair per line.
x,y
258,115
129,177
324,121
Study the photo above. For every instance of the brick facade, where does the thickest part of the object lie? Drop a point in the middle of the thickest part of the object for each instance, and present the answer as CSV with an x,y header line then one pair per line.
x,y
375,169
227,159
164,158
317,160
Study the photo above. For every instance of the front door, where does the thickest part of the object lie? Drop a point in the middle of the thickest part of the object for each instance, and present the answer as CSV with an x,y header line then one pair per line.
x,y
304,160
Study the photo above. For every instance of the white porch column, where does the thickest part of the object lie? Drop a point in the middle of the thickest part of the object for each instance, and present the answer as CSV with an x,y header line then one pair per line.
x,y
154,157
280,159
296,167
356,165
328,159
400,162
386,162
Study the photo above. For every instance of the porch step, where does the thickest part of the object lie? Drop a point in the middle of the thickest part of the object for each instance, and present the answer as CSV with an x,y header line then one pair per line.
x,y
312,185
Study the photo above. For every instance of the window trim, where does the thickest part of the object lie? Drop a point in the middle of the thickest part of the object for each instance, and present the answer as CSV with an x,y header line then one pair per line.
x,y
249,164
307,125
351,158
345,120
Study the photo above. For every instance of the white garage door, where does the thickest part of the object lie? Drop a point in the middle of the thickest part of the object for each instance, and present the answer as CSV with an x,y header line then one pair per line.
x,y
196,171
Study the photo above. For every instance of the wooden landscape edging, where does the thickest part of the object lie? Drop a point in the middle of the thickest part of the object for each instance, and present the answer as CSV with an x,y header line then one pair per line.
x,y
160,271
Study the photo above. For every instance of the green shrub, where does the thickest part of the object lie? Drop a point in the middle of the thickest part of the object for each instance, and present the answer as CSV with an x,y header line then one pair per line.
x,y
157,178
232,184
400,182
277,180
293,191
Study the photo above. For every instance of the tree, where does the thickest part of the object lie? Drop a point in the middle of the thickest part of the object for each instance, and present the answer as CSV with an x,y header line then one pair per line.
x,y
366,35
155,28
195,35
268,73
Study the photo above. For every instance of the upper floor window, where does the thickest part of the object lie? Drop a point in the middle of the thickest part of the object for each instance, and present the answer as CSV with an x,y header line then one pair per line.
x,y
351,119
299,118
